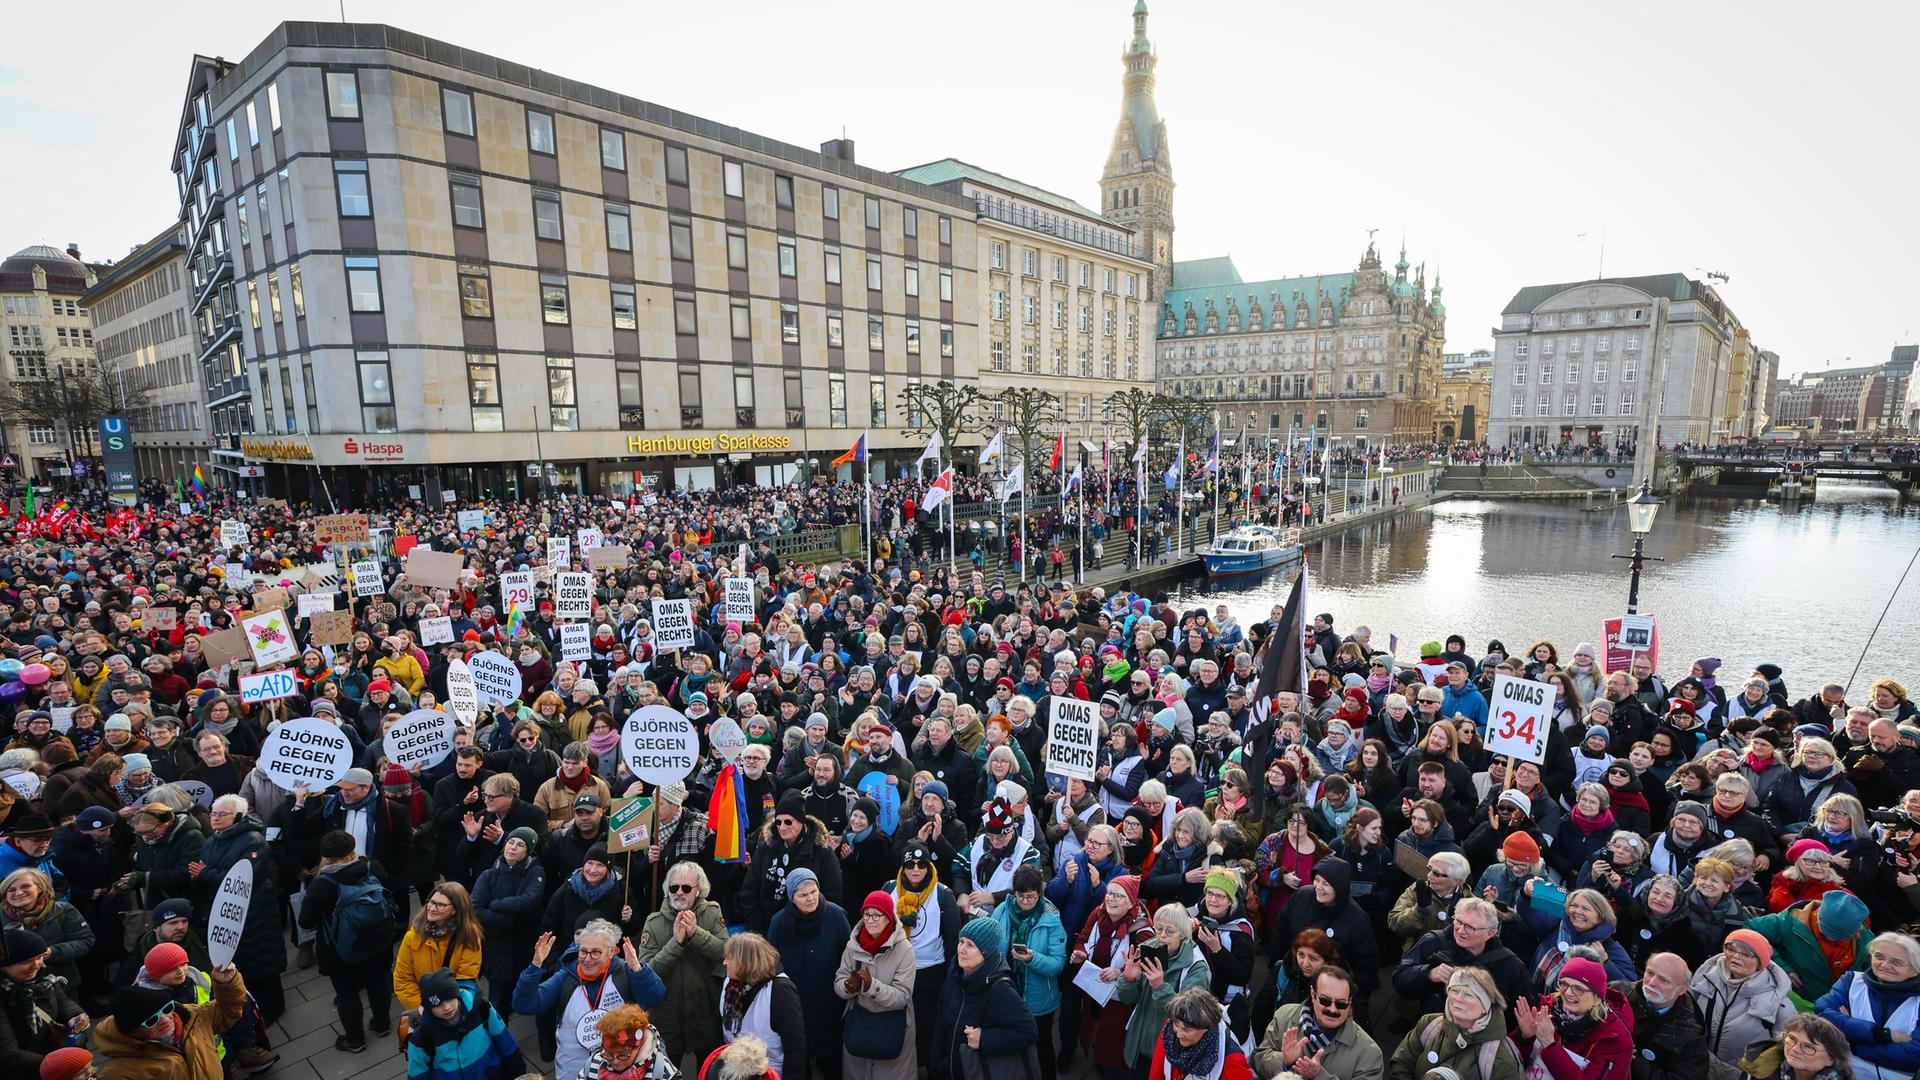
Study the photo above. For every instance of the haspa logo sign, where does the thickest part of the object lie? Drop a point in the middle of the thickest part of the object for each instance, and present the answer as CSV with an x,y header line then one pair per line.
x,y
374,451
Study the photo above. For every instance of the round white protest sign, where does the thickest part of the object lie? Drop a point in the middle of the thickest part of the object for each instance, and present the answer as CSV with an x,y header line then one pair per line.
x,y
660,745
462,699
587,1032
308,751
201,792
495,680
725,736
228,919
421,740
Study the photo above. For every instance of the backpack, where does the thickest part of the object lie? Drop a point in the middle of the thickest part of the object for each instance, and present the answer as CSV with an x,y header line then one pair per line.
x,y
362,920
1489,1050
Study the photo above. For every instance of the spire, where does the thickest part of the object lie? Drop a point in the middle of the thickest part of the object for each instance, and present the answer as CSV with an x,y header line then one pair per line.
x,y
1400,268
1140,43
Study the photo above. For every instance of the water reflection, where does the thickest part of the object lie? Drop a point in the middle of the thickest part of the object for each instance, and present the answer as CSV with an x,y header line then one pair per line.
x,y
1799,585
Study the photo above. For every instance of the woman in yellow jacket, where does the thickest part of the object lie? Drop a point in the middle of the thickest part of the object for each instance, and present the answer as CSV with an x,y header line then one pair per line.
x,y
445,934
401,667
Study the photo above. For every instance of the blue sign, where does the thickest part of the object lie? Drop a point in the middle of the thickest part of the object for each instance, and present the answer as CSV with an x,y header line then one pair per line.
x,y
874,786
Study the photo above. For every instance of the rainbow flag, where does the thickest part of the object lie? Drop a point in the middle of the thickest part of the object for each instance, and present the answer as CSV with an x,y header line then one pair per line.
x,y
727,816
198,483
513,624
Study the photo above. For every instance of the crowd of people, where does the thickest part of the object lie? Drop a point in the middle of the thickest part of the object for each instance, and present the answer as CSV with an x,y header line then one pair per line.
x,y
1711,872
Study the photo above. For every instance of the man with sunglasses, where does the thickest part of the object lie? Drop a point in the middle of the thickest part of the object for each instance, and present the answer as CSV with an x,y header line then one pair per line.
x,y
1317,1039
683,941
152,1037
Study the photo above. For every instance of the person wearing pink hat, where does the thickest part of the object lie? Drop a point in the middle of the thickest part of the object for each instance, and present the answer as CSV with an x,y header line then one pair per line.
x,y
1744,997
1580,1030
1809,875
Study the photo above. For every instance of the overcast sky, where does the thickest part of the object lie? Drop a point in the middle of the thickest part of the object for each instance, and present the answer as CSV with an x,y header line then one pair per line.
x,y
1769,141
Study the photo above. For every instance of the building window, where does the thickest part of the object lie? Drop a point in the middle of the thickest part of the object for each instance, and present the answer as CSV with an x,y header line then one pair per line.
x,y
298,294
41,436
1519,376
685,317
467,210
744,413
833,265
253,308
376,392
253,125
476,291
789,258
273,298
241,219
1030,355
877,400
363,286
946,230
1029,310
1546,376
1059,314
1029,262
1519,407
913,337
946,285
909,221
350,184
613,149
836,330
633,408
546,215
457,106
836,399
736,249
343,95
1569,407
873,273
790,324
680,240
273,105
999,353
741,317
997,256
876,334
796,400
873,212
286,197
306,384
483,391
913,279
677,166
735,178
783,192
540,132
553,299
1573,371
626,311
1520,349
563,406
946,340
997,305
1600,402
1060,268
619,229
1626,403
830,203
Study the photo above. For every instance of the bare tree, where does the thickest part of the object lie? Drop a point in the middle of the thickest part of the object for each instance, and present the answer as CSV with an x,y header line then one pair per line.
x,y
72,402
1133,410
1030,411
943,409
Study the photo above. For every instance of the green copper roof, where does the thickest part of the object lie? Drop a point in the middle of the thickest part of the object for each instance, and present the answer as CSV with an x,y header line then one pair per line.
x,y
1265,293
947,170
1201,273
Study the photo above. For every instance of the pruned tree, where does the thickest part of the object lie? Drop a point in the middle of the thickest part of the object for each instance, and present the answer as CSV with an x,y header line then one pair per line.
x,y
1032,415
72,401
944,409
1185,420
1133,411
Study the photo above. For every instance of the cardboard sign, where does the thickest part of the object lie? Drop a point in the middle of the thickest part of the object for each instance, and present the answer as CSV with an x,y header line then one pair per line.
x,y
608,555
463,700
436,631
559,551
589,539
1517,718
630,825
660,745
314,603
448,497
874,786
1073,738
237,576
433,569
306,751
340,529
268,685
673,624
496,681
516,591
576,641
62,717
233,534
470,520
725,736
366,578
271,598
330,628
573,596
420,741
270,637
228,919
1409,861
740,602
161,618
27,785
226,647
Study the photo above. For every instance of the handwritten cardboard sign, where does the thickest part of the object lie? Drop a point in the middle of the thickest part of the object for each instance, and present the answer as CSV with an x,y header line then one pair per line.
x,y
330,627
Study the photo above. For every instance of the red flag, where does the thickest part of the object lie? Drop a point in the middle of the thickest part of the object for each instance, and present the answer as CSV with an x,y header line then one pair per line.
x,y
1059,451
938,491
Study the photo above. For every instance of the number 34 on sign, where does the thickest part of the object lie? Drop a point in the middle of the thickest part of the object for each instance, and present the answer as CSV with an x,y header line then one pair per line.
x,y
1518,718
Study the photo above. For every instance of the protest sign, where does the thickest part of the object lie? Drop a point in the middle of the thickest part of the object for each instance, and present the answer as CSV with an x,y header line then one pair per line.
x,y
608,555
433,569
559,551
366,578
268,685
660,745
25,784
436,631
448,496
199,791
1073,737
463,700
225,647
313,603
340,529
1517,718
160,618
228,919
874,786
270,637
573,596
421,740
724,735
576,641
630,825
673,624
233,534
306,751
589,539
237,576
495,680
740,601
62,717
516,592
1620,651
270,598
470,520
330,628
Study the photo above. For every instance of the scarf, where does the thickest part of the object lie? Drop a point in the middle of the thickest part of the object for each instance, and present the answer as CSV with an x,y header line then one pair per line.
x,y
136,794
1720,810
31,919
990,857
733,1003
437,931
223,729
1591,825
592,893
1569,1027
1317,1038
906,900
602,743
84,739
1377,683
856,836
871,941
573,783
1200,1058
1760,765
1338,817
25,997
1108,931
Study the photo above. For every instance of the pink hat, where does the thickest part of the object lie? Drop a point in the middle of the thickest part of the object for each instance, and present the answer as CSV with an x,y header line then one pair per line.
x,y
1587,972
1802,847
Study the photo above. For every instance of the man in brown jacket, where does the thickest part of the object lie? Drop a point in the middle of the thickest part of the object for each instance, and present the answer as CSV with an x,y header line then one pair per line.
x,y
150,1037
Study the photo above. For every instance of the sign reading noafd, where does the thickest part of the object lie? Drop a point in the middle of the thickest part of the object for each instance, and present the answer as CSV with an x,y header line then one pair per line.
x,y
267,686
1517,718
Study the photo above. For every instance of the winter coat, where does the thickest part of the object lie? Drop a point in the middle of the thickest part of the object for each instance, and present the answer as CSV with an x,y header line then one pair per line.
x,y
161,865
575,902
1421,1052
889,990
1866,1029
538,994
1672,1044
765,890
1343,920
477,1046
1791,801
870,865
507,900
1557,932
984,998
1604,1051
810,949
1077,898
556,799
1412,977
323,894
263,946
195,1058
1796,949
1573,850
1048,940
1353,1055
1418,911
1166,882
419,955
686,1018
784,1019
1738,1016
66,933
1185,970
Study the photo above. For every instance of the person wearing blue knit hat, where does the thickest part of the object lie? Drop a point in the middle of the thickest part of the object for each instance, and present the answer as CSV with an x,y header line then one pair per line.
x,y
982,1016
1817,941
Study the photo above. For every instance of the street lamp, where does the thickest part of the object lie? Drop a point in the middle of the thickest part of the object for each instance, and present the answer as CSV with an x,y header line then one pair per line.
x,y
1641,510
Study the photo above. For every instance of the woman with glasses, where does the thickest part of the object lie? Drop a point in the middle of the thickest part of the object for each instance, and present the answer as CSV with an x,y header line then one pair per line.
x,y
1743,995
1809,1048
876,980
1224,938
1878,1010
1154,973
1588,919
1582,1030
444,934
39,1012
529,761
1810,874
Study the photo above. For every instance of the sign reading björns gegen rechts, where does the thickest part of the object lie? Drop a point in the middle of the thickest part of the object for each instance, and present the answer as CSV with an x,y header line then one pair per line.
x,y
421,740
1517,718
673,624
228,919
463,697
496,680
660,745
1073,737
307,751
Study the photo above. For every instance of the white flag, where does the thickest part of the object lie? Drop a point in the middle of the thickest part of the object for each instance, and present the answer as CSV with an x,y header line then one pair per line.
x,y
938,491
1072,482
992,450
1016,481
1141,454
931,453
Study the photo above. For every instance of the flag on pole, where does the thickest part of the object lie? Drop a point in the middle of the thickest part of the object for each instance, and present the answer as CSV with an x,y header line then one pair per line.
x,y
1072,482
1140,455
992,450
1172,478
931,453
857,453
938,491
1059,451
1016,481
1213,454
1106,454
29,511
1284,667
727,816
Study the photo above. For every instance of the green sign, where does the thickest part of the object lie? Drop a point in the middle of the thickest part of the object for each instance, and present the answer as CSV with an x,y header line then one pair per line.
x,y
630,826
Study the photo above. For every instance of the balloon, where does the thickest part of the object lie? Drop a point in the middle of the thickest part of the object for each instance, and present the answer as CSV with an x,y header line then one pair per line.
x,y
12,694
10,669
35,674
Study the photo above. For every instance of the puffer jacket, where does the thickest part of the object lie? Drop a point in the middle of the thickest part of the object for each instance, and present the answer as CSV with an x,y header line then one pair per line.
x,y
687,1017
1863,1009
1437,1043
984,998
195,1058
161,865
1602,1052
1738,1016
1037,978
506,899
477,1046
66,933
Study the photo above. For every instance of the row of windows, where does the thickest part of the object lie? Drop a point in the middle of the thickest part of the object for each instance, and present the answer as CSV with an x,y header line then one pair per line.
x,y
1030,259
1603,317
1571,407
30,305
1030,315
1628,374
1602,345
999,352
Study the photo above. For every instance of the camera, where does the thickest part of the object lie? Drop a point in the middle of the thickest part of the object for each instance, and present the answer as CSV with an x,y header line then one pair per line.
x,y
1153,950
1898,819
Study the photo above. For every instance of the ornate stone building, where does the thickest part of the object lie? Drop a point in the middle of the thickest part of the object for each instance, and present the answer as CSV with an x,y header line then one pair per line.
x,y
1136,188
1354,356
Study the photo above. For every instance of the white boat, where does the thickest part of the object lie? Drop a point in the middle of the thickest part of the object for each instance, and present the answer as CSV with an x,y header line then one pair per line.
x,y
1250,548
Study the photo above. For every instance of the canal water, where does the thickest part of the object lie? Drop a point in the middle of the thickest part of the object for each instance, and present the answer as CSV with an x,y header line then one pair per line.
x,y
1800,585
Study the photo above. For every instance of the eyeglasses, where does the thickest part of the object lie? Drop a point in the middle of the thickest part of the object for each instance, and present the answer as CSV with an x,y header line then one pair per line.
x,y
437,902
1802,1045
1565,987
154,1020
785,822
1336,1004
678,890
1472,929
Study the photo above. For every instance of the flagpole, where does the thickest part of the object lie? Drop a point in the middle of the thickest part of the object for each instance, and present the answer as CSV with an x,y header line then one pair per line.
x,y
1140,509
867,529
1180,497
1080,556
1217,471
953,484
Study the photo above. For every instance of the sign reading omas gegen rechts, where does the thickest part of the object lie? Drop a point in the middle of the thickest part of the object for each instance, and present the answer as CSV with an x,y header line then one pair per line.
x,y
673,624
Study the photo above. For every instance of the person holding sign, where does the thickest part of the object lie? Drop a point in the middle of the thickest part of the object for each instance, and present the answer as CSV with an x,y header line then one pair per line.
x,y
1113,933
597,972
262,954
149,1035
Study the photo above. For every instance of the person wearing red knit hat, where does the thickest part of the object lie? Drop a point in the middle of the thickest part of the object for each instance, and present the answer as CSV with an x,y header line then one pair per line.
x,y
1581,1029
1809,875
68,1063
168,969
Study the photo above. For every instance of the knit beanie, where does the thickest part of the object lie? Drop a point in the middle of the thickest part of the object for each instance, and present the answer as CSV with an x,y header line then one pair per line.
x,y
526,836
1841,916
1225,882
134,1005
1760,946
1692,809
163,958
65,1063
23,945
1465,981
1589,972
986,936
799,876
1520,846
1802,847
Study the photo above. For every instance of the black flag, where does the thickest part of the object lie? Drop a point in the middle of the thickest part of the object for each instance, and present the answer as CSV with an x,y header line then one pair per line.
x,y
1284,668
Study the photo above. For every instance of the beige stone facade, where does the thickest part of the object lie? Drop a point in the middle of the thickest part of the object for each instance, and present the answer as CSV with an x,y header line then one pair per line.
x,y
45,330
144,335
